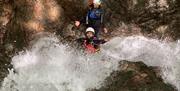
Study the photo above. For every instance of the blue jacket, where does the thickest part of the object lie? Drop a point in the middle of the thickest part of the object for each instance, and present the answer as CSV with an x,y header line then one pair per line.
x,y
94,17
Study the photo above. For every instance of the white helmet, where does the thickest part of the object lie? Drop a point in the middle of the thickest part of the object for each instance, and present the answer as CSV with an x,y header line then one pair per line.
x,y
90,29
97,2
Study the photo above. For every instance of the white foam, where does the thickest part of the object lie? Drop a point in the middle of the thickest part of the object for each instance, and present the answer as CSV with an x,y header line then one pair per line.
x,y
150,51
50,66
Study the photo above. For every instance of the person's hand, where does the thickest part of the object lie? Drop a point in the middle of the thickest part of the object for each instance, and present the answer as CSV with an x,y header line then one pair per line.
x,y
105,30
77,23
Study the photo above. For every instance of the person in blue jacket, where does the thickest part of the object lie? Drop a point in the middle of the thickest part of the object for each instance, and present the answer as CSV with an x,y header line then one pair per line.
x,y
94,18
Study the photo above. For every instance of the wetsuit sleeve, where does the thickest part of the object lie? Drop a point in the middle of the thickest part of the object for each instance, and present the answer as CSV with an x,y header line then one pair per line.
x,y
85,19
98,42
102,18
80,40
102,41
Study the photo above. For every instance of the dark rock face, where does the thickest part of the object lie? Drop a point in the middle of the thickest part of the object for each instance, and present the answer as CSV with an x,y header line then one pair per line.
x,y
149,15
152,18
5,15
21,19
135,77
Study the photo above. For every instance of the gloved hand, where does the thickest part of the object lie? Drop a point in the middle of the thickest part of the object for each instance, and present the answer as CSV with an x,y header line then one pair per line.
x,y
77,23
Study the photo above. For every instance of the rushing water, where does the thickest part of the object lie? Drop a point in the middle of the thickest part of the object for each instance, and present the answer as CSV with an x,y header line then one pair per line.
x,y
51,66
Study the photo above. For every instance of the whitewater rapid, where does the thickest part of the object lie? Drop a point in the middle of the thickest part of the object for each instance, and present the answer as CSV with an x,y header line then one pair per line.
x,y
51,66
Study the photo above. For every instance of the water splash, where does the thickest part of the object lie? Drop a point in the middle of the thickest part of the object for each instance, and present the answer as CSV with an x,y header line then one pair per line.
x,y
52,66
150,51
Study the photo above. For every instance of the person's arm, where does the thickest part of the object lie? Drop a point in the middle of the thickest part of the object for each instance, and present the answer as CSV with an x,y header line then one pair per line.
x,y
80,40
103,22
98,42
87,18
102,17
102,41
83,20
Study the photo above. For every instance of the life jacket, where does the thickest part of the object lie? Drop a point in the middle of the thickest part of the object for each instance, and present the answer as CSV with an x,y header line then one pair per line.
x,y
95,14
94,17
89,47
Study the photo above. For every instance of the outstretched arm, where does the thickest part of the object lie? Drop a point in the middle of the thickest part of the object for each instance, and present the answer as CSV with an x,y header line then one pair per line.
x,y
80,40
103,22
98,42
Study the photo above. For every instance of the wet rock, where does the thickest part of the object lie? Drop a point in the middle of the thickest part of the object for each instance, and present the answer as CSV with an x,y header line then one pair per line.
x,y
135,76
152,18
146,14
9,47
5,63
6,12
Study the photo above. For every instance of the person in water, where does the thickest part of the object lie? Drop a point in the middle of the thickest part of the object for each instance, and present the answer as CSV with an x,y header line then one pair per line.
x,y
94,18
90,43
